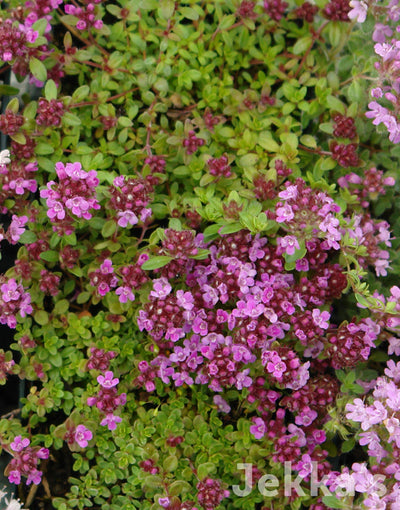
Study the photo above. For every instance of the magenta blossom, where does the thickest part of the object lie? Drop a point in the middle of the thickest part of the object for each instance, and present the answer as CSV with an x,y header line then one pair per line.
x,y
259,428
107,381
111,421
289,244
82,436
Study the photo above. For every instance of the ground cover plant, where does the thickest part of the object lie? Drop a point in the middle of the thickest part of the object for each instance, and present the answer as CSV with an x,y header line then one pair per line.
x,y
203,201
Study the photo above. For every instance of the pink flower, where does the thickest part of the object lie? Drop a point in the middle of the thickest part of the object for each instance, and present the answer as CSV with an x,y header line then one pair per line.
x,y
107,381
289,192
306,417
259,428
19,444
82,436
16,228
222,404
124,294
380,33
284,213
161,288
359,10
127,218
111,421
302,265
275,365
164,502
14,477
289,243
305,466
10,291
321,318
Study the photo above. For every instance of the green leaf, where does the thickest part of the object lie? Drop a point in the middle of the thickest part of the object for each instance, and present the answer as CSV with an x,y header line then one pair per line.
x,y
81,93
19,138
71,239
43,149
56,360
40,26
362,300
302,45
166,9
156,262
205,469
83,297
189,13
348,445
50,90
114,10
231,228
38,69
267,142
69,119
170,463
355,92
335,104
61,306
248,160
328,164
28,237
290,139
7,90
175,224
13,105
124,121
41,317
50,256
326,127
200,255
334,502
308,141
227,21
109,228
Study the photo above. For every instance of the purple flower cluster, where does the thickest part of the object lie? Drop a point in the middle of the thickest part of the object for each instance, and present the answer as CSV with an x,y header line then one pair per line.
x,y
192,142
103,279
129,198
108,400
13,300
378,415
25,461
219,166
275,8
15,180
307,213
337,10
15,40
86,15
38,9
132,277
49,113
210,493
371,234
236,310
368,187
387,89
74,194
100,359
